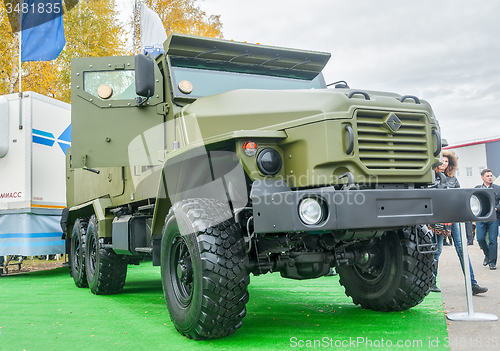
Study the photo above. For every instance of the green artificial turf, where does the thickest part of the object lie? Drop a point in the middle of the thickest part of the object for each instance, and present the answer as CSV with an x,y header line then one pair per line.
x,y
46,311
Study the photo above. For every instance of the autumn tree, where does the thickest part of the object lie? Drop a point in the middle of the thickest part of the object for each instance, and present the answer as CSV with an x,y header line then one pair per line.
x,y
91,29
8,54
180,16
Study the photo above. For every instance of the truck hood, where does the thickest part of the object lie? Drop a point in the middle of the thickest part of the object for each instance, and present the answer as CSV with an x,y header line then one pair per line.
x,y
273,110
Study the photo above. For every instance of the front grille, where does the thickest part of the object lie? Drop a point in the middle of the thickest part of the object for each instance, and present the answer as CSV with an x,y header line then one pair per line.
x,y
380,148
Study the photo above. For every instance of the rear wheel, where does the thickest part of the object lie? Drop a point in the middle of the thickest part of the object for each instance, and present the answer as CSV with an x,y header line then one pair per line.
x,y
77,254
106,271
395,276
203,269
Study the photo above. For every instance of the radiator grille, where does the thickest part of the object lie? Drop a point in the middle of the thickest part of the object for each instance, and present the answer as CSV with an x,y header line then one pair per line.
x,y
380,148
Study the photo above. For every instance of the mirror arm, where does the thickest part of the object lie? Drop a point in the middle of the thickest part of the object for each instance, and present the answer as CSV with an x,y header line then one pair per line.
x,y
141,100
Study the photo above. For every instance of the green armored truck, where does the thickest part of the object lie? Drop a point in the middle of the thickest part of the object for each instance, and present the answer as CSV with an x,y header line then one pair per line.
x,y
220,159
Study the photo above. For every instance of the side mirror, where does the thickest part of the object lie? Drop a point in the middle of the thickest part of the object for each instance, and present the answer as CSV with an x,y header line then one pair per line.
x,y
144,76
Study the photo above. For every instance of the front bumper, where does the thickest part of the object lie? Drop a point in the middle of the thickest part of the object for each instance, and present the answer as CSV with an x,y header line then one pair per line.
x,y
275,209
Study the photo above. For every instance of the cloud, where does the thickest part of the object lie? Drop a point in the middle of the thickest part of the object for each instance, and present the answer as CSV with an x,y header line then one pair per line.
x,y
446,52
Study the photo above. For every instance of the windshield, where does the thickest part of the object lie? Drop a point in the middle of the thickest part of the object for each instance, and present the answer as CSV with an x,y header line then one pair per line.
x,y
211,77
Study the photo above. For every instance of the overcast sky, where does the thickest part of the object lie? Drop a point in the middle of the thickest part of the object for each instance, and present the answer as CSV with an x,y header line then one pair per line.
x,y
446,52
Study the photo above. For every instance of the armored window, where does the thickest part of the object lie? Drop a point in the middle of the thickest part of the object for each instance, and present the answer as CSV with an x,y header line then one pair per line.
x,y
110,85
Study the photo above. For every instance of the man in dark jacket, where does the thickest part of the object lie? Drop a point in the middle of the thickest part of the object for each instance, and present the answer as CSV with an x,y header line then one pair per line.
x,y
489,250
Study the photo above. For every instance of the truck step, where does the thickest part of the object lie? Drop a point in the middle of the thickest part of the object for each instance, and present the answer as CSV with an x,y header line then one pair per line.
x,y
149,207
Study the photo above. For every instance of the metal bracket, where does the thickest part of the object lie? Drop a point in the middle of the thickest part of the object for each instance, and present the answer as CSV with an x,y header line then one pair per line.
x,y
20,109
84,162
341,257
425,248
162,109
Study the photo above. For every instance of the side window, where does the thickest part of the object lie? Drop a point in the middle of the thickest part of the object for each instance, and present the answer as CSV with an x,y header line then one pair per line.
x,y
110,85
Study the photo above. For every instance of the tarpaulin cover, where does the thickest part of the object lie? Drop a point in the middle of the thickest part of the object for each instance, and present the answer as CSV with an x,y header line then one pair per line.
x,y
29,234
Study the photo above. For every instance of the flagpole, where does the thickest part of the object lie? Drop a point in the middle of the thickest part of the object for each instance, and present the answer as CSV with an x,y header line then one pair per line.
x,y
20,60
20,40
137,26
140,26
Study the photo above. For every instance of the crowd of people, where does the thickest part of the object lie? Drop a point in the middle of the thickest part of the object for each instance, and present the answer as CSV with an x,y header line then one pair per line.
x,y
486,232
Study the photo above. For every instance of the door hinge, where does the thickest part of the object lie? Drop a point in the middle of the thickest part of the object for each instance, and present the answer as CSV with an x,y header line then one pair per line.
x,y
162,109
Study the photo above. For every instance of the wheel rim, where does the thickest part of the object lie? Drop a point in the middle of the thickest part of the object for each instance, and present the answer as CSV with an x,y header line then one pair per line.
x,y
92,256
376,266
76,254
181,271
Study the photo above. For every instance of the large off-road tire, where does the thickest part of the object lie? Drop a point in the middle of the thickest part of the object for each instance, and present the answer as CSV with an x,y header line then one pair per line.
x,y
397,277
203,269
106,271
77,253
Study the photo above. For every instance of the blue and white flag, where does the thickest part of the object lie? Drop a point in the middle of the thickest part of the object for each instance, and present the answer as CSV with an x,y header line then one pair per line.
x,y
42,30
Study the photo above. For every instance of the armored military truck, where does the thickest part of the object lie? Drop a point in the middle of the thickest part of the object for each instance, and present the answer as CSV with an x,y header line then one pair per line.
x,y
220,159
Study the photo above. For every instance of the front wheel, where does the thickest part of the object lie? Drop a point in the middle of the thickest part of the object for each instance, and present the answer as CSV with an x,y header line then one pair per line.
x,y
395,276
203,269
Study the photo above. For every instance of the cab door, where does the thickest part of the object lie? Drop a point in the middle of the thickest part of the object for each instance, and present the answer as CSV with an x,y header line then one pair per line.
x,y
106,116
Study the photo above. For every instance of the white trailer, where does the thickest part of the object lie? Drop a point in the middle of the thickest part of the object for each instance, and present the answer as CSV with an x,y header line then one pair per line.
x,y
35,132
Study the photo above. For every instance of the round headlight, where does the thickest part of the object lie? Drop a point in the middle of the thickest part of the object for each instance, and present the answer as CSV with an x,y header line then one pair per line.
x,y
475,205
269,161
310,211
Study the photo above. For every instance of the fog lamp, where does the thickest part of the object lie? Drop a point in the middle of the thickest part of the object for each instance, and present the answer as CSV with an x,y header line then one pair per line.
x,y
311,211
475,205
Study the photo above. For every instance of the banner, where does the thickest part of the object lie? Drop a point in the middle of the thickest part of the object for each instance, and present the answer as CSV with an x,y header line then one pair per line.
x,y
42,30
28,234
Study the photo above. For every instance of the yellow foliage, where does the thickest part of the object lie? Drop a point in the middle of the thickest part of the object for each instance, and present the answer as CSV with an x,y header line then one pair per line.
x,y
91,29
183,16
8,55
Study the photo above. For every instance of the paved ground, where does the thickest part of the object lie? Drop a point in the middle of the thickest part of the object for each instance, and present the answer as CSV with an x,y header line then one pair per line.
x,y
467,335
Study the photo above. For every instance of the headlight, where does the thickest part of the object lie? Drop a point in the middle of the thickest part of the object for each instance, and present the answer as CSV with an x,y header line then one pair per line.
x,y
269,161
311,211
475,205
